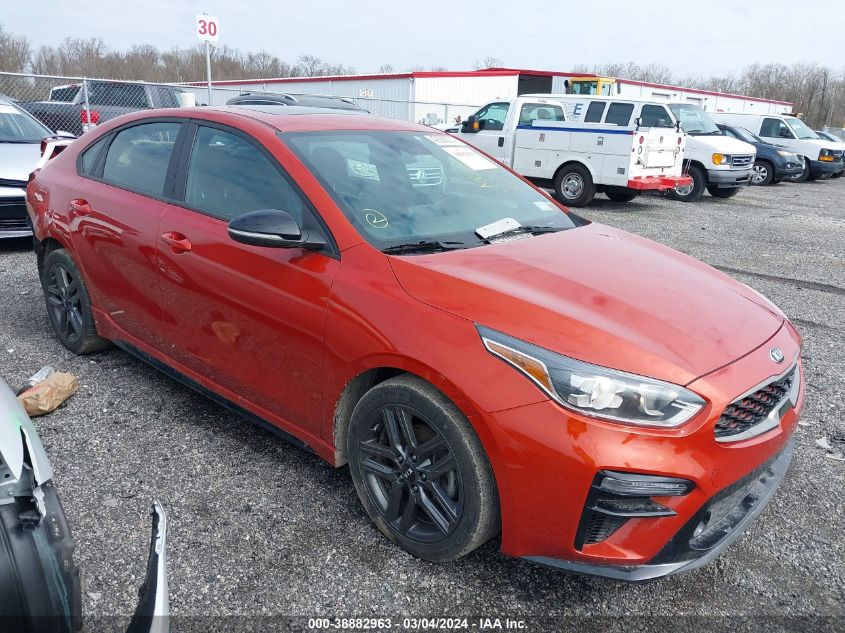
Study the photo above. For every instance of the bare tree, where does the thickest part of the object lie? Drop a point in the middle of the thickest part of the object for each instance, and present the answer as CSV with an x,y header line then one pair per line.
x,y
488,62
14,52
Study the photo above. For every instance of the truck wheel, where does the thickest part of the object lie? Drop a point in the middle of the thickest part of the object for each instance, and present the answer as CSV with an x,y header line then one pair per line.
x,y
804,176
722,192
38,578
68,304
690,193
620,194
574,186
838,174
421,471
763,174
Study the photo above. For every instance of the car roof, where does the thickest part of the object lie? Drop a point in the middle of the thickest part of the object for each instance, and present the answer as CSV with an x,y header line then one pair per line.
x,y
299,118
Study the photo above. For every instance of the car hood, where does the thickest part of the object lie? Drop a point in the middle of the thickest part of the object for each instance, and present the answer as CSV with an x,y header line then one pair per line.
x,y
722,144
600,295
17,160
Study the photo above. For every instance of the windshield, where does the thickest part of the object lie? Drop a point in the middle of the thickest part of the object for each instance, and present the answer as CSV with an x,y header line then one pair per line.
x,y
747,135
17,127
800,128
693,119
401,188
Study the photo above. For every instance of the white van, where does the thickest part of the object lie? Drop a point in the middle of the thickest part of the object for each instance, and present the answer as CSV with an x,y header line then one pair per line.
x,y
582,144
822,158
720,164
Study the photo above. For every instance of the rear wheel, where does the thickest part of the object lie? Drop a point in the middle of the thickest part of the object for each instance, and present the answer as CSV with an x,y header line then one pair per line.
x,y
420,470
763,174
621,194
574,185
722,192
691,192
68,304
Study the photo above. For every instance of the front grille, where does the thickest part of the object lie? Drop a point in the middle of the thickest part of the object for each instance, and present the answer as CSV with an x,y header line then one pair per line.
x,y
422,176
13,214
741,161
743,414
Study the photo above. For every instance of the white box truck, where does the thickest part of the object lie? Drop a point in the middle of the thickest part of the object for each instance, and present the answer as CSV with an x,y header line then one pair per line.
x,y
822,158
583,144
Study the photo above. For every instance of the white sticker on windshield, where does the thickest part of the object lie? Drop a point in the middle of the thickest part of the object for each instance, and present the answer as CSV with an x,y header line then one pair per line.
x,y
443,139
545,205
7,109
470,158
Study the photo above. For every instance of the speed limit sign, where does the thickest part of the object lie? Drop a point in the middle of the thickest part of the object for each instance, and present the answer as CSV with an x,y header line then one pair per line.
x,y
208,28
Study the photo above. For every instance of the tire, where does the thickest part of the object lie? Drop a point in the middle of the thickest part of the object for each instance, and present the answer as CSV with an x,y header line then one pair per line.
x,y
804,176
69,305
723,192
420,470
694,191
574,185
838,174
38,578
763,174
620,195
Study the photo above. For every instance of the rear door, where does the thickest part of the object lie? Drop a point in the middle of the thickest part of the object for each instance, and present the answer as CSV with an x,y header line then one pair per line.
x,y
114,214
249,318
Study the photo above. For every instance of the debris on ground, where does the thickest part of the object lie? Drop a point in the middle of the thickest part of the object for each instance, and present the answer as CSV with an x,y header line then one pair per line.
x,y
48,394
830,451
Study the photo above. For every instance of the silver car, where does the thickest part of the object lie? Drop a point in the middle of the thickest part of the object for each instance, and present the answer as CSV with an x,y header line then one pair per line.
x,y
20,148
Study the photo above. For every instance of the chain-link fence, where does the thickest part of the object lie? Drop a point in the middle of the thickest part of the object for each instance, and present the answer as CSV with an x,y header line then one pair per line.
x,y
73,104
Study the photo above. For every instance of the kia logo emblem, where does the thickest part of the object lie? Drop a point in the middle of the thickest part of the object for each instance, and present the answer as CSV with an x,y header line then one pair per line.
x,y
776,355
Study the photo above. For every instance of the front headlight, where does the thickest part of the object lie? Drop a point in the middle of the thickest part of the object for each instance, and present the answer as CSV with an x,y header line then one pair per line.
x,y
784,153
721,159
596,391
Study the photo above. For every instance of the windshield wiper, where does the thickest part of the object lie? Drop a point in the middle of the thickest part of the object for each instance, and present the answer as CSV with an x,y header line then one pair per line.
x,y
519,230
423,246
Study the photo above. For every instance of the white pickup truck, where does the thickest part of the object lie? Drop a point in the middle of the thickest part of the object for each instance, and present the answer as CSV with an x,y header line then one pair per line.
x,y
583,144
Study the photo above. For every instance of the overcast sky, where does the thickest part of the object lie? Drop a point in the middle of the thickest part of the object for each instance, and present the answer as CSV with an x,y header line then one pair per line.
x,y
703,37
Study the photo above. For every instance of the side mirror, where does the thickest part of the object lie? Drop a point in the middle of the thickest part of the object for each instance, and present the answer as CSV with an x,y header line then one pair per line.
x,y
471,124
638,122
273,228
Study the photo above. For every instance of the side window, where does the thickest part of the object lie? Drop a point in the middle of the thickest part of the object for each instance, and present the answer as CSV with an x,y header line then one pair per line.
x,y
655,116
594,112
164,97
89,156
775,128
492,117
138,157
229,176
619,113
123,95
531,112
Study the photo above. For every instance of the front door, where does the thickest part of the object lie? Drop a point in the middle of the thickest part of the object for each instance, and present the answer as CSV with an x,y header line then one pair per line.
x,y
249,318
490,137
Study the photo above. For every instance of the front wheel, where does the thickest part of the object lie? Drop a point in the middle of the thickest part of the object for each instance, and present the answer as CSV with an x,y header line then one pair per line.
x,y
763,174
804,175
691,192
574,186
722,192
838,174
420,470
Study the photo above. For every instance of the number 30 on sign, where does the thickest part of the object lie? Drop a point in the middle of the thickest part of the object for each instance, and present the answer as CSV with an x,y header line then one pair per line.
x,y
208,28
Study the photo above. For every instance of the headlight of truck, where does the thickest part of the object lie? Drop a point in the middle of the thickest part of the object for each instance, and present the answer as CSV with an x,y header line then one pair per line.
x,y
721,159
596,391
826,155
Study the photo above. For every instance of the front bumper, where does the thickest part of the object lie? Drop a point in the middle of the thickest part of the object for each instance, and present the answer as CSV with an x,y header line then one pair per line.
x,y
546,459
14,220
823,168
723,178
784,169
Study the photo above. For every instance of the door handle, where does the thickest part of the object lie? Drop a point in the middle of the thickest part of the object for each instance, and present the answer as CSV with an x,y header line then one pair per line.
x,y
501,141
80,207
177,242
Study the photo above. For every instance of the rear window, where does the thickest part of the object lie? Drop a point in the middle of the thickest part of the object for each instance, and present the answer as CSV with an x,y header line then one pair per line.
x,y
139,156
89,156
619,113
65,94
118,94
655,116
164,97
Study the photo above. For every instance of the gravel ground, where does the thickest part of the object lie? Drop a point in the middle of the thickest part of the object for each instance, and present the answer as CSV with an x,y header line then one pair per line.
x,y
261,527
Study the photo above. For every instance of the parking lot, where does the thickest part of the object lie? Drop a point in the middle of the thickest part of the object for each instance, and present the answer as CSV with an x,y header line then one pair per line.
x,y
260,527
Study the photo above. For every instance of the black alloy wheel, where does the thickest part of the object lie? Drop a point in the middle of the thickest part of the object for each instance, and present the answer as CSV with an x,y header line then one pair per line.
x,y
64,302
411,475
